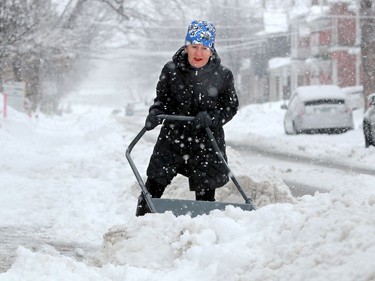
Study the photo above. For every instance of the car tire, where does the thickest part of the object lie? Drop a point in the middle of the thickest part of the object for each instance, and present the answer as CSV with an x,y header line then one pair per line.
x,y
286,129
367,134
295,130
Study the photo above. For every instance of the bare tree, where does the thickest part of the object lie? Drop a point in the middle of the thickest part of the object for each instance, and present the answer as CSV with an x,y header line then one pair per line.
x,y
44,49
21,23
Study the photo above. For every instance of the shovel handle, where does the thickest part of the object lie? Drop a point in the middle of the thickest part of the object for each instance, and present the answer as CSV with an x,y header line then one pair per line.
x,y
176,117
146,193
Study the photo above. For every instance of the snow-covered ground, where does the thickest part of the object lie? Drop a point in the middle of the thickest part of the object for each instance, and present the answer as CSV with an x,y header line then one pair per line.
x,y
64,179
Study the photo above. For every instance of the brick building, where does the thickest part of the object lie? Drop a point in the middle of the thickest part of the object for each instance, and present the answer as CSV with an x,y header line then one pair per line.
x,y
324,49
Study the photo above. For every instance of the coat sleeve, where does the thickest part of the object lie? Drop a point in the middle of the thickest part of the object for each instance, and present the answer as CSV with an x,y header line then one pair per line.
x,y
162,91
228,101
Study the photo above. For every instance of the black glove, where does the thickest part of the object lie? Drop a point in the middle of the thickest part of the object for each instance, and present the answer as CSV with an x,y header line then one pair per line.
x,y
152,120
202,120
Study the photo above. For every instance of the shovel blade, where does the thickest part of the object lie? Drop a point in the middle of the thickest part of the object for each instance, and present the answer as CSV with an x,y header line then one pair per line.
x,y
193,208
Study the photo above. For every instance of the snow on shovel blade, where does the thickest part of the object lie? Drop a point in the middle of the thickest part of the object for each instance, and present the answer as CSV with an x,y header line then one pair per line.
x,y
193,208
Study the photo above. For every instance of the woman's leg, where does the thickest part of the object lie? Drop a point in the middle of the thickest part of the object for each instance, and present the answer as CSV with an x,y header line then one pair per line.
x,y
205,195
156,190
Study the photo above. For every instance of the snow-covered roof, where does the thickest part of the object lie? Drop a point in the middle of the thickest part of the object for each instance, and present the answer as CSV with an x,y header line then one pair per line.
x,y
278,62
317,12
314,92
311,13
275,22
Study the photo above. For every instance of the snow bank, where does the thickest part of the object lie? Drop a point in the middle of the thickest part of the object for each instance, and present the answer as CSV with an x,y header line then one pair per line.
x,y
325,237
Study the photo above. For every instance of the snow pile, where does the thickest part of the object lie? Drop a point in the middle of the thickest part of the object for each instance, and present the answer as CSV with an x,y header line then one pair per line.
x,y
325,237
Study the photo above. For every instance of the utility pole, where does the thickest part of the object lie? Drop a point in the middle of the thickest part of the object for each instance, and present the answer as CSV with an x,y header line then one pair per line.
x,y
357,44
368,46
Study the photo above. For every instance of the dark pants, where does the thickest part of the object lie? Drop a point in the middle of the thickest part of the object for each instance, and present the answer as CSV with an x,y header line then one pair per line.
x,y
156,190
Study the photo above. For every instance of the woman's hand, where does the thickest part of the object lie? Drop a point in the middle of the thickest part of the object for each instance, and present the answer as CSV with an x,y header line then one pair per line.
x,y
202,120
152,120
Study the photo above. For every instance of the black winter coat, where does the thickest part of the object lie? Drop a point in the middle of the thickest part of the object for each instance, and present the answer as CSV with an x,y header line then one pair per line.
x,y
181,148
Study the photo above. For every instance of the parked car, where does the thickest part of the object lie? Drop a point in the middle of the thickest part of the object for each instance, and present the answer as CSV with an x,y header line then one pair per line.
x,y
318,109
356,97
369,122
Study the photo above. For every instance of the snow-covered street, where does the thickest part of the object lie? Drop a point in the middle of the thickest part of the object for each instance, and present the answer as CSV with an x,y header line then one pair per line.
x,y
65,181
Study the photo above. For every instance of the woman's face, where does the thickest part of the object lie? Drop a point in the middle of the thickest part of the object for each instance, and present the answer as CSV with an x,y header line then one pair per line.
x,y
198,55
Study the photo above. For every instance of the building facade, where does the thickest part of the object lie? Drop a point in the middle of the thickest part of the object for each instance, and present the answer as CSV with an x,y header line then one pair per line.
x,y
324,49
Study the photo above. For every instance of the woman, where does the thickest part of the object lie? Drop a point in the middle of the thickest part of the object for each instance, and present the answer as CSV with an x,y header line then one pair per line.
x,y
195,84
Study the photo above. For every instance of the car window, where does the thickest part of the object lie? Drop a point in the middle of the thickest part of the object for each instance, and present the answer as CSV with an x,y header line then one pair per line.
x,y
324,101
293,101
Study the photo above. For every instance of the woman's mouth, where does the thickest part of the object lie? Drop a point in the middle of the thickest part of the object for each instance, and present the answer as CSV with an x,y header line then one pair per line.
x,y
197,59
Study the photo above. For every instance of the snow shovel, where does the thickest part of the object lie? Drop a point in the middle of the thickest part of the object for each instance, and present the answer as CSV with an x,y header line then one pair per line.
x,y
186,207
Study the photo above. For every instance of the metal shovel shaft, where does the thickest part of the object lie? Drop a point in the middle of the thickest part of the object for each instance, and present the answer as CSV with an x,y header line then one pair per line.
x,y
145,192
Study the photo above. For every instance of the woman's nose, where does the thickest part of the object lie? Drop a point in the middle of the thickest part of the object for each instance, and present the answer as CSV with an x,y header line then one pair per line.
x,y
198,50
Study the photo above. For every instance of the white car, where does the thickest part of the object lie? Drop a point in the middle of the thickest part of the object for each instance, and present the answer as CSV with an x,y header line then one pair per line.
x,y
318,109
